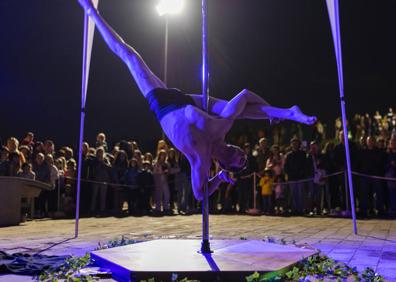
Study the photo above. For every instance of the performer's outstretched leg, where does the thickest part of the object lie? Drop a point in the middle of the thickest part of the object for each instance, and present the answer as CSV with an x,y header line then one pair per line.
x,y
248,105
144,77
257,111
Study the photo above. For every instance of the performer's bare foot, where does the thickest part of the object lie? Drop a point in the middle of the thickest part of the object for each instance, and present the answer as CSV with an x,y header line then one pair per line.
x,y
297,115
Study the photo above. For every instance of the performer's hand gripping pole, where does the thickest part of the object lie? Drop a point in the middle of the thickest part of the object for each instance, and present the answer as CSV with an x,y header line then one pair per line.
x,y
205,246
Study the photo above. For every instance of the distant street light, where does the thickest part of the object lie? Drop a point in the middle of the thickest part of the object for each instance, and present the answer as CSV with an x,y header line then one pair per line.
x,y
166,7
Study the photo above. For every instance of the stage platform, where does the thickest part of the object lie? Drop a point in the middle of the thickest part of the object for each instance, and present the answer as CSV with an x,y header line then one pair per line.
x,y
231,260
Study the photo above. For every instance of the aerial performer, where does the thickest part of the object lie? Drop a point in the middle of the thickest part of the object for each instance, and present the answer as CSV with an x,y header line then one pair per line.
x,y
197,134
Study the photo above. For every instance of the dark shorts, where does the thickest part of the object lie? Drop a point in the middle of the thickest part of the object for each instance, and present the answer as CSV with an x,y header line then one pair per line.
x,y
165,100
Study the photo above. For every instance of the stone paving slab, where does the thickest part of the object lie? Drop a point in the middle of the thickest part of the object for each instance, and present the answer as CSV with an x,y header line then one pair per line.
x,y
374,246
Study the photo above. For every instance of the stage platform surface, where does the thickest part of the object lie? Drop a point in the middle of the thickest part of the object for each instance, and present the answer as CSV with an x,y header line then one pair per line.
x,y
231,260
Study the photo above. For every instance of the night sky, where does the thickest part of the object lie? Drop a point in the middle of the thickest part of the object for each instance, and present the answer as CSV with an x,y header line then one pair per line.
x,y
281,49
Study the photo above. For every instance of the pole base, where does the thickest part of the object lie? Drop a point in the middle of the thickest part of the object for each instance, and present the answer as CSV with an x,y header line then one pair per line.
x,y
205,247
253,212
236,260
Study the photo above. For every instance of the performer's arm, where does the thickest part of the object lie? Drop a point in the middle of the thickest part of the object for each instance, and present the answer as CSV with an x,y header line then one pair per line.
x,y
221,176
199,177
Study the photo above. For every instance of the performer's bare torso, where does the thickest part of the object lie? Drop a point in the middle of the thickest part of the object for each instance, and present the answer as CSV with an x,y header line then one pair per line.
x,y
196,134
188,129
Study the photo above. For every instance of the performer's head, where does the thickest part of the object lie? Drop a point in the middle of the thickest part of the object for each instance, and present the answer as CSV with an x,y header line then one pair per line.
x,y
231,158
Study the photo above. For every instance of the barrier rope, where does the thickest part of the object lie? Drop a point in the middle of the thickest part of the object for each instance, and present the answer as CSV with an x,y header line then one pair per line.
x,y
296,181
113,185
374,176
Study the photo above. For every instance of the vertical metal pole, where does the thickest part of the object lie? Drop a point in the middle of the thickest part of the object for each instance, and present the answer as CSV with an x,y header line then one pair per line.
x,y
79,173
333,8
346,190
89,28
83,92
254,210
205,246
344,118
166,51
165,78
205,57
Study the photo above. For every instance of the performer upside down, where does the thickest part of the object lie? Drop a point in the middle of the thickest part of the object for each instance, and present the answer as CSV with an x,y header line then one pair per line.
x,y
197,134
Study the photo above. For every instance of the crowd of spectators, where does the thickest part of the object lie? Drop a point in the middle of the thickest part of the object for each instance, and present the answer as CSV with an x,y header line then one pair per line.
x,y
300,177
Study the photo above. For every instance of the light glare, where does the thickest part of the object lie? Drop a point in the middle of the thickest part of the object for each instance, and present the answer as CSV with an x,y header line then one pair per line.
x,y
170,7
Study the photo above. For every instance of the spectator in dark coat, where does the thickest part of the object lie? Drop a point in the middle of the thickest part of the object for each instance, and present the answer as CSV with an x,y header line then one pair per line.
x,y
184,195
120,168
119,173
316,170
101,175
133,189
43,174
86,170
371,162
4,153
245,181
146,187
331,167
295,163
173,171
13,164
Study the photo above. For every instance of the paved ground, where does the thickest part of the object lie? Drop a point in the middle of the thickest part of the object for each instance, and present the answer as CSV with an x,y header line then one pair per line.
x,y
374,247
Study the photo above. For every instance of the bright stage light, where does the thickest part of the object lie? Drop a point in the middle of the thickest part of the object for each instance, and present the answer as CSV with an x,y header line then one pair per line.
x,y
166,7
